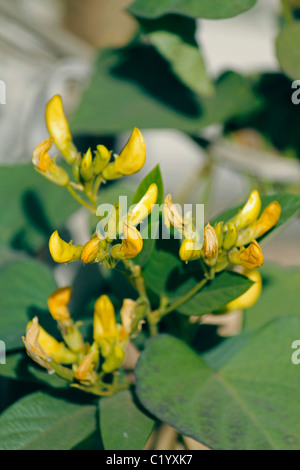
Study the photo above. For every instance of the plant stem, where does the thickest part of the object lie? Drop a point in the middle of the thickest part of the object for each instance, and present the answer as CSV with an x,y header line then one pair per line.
x,y
97,183
80,200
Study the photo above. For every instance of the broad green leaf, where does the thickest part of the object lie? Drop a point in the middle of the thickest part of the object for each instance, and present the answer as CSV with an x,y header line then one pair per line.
x,y
24,288
280,296
123,425
136,78
173,36
290,205
150,227
31,207
158,270
20,367
199,9
287,49
42,422
226,287
248,403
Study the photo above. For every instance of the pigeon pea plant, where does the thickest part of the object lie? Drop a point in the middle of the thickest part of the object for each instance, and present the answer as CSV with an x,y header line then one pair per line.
x,y
93,365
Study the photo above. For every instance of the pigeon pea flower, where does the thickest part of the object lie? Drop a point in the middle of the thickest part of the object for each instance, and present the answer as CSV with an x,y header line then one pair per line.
x,y
190,249
249,213
93,251
61,251
57,304
249,298
210,245
86,167
230,235
131,159
143,208
59,130
86,372
101,160
38,341
131,246
46,166
268,219
172,215
105,325
252,256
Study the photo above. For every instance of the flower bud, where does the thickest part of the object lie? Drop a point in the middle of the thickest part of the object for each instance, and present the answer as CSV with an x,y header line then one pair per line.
x,y
92,251
101,160
267,220
133,156
47,167
104,319
210,246
219,232
58,128
143,208
189,250
249,298
131,245
252,257
33,347
230,236
171,215
57,304
114,360
86,167
61,251
249,213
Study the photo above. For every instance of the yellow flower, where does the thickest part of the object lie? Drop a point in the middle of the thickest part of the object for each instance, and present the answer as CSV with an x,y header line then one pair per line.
x,y
131,159
86,166
172,215
92,251
249,213
250,297
57,304
252,257
37,341
210,246
47,167
267,220
101,160
58,128
86,371
189,250
230,234
132,244
143,208
61,251
105,325
114,360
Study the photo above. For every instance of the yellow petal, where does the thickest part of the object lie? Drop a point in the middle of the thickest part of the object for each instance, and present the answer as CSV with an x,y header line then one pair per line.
x,y
57,303
252,257
58,128
132,244
172,215
133,156
249,213
61,251
104,319
33,348
40,156
250,297
189,250
143,208
210,246
92,251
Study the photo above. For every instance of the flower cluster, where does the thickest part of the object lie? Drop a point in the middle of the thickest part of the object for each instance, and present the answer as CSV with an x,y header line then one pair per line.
x,y
88,362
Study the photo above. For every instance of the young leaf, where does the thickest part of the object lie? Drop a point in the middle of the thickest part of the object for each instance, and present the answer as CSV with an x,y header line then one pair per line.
x,y
287,50
123,425
198,9
42,422
24,288
248,403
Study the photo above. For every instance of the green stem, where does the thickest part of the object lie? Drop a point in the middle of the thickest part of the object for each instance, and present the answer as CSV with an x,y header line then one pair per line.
x,y
97,183
79,199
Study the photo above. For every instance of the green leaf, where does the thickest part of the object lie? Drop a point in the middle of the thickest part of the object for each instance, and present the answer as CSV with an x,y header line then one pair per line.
x,y
280,296
173,37
20,367
158,270
248,403
287,49
42,422
226,287
149,230
290,205
136,78
31,207
24,289
199,9
123,425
